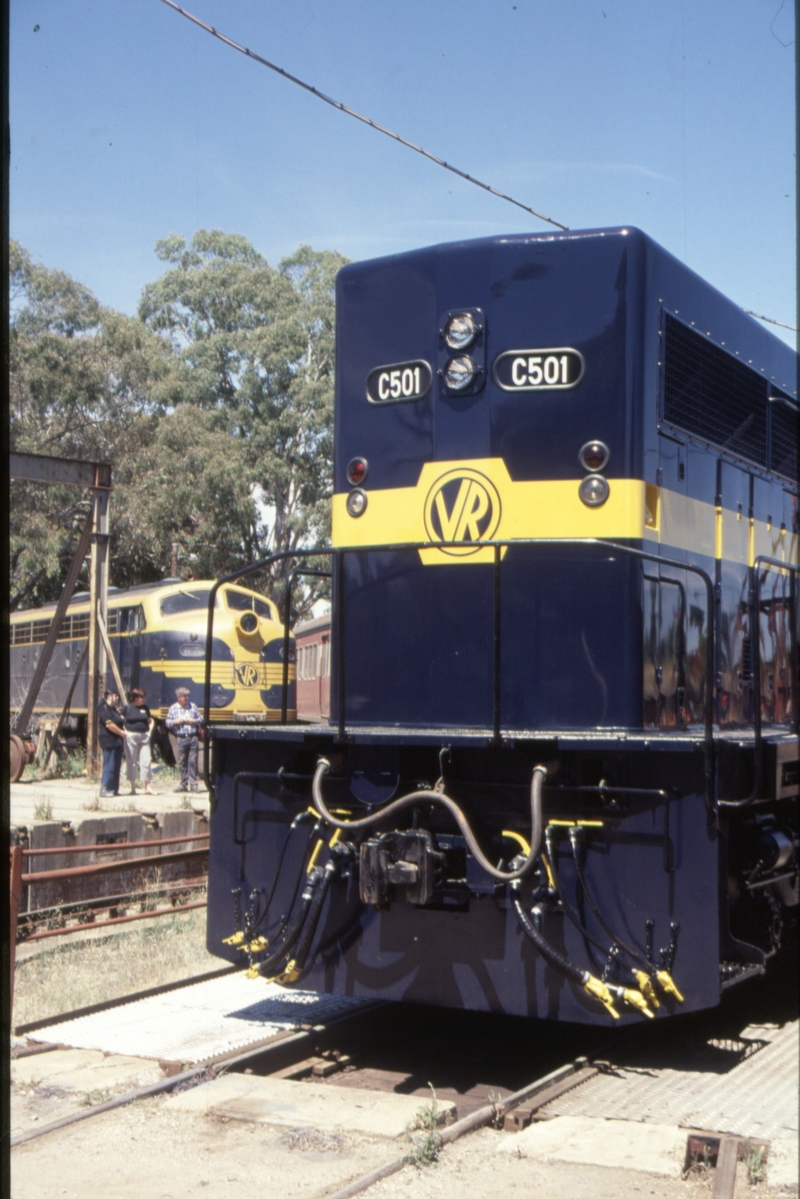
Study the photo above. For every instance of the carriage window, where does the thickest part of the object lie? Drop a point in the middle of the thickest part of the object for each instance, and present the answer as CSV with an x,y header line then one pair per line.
x,y
80,626
129,620
184,601
263,609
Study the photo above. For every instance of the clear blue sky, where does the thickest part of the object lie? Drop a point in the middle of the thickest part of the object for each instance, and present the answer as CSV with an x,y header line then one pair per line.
x,y
128,123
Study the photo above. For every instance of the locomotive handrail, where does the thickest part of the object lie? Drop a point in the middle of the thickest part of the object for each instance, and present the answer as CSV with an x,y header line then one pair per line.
x,y
287,611
755,649
338,554
774,563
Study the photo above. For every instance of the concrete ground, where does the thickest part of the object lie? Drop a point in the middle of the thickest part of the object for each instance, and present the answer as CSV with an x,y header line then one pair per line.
x,y
74,799
208,1140
154,1149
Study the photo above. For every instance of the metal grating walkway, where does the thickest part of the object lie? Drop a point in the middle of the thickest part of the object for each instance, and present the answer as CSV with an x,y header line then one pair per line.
x,y
747,1086
199,1022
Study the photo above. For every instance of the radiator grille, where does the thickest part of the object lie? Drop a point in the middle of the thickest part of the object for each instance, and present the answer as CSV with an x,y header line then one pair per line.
x,y
708,393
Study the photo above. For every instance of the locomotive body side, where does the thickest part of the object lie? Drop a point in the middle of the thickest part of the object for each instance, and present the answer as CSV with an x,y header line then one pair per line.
x,y
539,558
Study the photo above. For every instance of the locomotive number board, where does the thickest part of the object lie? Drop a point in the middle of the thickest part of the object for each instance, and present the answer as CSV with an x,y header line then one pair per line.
x,y
401,381
555,369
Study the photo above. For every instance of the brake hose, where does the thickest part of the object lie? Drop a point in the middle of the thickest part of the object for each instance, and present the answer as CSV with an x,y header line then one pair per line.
x,y
593,986
638,999
294,968
432,796
298,820
268,964
662,976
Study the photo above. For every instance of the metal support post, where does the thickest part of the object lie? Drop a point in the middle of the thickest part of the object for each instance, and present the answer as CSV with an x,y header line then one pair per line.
x,y
14,898
98,605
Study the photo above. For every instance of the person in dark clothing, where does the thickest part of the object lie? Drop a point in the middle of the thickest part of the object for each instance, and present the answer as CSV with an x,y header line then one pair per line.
x,y
138,726
111,735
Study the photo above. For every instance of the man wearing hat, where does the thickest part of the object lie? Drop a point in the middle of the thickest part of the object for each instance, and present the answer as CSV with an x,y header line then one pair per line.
x,y
185,722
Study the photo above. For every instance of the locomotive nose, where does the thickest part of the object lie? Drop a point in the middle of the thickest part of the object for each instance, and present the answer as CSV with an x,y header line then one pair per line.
x,y
248,626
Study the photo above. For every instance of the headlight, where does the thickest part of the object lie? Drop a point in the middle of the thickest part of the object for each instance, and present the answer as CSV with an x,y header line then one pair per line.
x,y
356,502
459,372
594,490
460,331
248,622
594,455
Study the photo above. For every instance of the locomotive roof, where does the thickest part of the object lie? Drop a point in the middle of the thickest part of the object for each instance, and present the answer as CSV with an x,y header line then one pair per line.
x,y
507,257
119,595
310,626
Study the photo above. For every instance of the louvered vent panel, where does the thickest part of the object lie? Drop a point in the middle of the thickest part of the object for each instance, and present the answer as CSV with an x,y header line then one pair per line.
x,y
708,393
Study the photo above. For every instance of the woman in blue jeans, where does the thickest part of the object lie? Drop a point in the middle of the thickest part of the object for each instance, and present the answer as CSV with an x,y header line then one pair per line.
x,y
111,735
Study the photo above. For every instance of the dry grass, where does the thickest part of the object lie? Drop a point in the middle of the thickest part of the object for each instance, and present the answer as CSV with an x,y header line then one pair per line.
x,y
80,970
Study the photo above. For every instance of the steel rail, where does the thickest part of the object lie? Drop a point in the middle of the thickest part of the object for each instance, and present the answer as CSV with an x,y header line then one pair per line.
x,y
120,847
80,906
155,859
95,924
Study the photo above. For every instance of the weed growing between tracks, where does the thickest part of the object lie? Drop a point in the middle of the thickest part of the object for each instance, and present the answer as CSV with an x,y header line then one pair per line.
x,y
91,969
427,1146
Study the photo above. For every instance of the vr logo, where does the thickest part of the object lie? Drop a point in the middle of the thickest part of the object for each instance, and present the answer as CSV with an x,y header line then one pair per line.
x,y
462,505
247,675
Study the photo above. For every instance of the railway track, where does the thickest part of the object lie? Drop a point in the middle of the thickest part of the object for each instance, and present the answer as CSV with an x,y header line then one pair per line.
x,y
490,1070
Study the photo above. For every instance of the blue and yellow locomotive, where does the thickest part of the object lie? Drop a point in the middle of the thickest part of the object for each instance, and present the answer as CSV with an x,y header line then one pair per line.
x,y
157,632
561,773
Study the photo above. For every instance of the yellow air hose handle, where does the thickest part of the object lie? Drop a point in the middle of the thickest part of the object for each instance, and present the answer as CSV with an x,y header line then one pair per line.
x,y
637,1000
646,987
668,985
236,939
598,990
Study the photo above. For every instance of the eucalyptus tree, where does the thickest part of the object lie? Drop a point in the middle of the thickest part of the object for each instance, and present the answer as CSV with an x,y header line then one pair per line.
x,y
258,346
84,382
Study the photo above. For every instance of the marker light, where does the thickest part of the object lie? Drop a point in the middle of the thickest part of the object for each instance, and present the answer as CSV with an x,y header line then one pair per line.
x,y
594,491
460,331
357,471
594,455
356,502
459,372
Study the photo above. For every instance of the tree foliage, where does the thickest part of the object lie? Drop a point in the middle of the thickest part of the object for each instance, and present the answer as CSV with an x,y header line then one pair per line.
x,y
84,382
258,344
214,408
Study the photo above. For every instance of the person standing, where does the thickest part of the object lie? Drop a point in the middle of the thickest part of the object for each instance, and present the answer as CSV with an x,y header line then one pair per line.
x,y
111,735
185,721
138,726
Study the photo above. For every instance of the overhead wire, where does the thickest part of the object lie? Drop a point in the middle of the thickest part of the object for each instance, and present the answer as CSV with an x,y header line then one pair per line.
x,y
769,320
351,112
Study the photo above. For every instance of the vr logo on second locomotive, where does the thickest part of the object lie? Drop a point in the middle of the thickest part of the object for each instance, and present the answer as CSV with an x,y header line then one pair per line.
x,y
556,369
462,505
247,674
